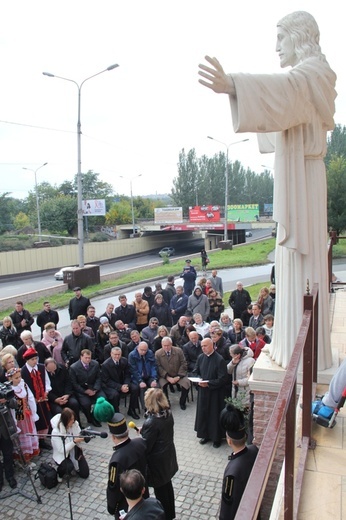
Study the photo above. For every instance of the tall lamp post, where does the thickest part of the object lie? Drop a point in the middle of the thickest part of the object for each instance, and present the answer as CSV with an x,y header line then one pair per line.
x,y
225,232
79,160
37,199
132,208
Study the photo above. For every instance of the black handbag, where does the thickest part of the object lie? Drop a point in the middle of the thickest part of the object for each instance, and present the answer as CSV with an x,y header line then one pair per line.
x,y
48,475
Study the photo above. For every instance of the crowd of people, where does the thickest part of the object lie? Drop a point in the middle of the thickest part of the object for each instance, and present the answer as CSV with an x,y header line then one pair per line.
x,y
159,341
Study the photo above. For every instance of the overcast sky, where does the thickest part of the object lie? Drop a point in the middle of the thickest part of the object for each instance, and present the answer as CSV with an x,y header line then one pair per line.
x,y
135,118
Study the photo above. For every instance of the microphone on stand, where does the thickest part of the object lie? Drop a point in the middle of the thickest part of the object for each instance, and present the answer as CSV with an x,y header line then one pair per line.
x,y
133,425
87,431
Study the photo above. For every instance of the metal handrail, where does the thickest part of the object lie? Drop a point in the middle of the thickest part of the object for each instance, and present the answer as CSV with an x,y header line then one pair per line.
x,y
285,409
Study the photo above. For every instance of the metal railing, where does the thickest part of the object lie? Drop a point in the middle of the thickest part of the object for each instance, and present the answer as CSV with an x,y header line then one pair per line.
x,y
284,418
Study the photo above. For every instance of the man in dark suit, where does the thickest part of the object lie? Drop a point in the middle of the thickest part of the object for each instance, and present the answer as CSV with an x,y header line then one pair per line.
x,y
92,320
192,349
61,394
47,316
74,344
78,305
116,382
110,314
85,376
126,313
21,318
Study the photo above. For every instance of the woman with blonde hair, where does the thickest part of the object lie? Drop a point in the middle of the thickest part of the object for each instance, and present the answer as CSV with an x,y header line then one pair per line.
x,y
158,431
162,332
8,333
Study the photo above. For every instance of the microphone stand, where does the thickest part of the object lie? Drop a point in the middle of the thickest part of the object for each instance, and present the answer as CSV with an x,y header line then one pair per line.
x,y
68,476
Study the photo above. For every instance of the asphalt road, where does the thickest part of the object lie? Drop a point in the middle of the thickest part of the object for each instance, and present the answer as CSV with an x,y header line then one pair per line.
x,y
27,283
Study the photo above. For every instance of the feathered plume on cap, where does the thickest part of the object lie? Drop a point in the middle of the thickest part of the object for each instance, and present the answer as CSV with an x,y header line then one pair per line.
x,y
232,420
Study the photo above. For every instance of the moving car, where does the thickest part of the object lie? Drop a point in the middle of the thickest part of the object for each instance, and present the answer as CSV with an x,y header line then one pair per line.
x,y
248,233
60,274
167,251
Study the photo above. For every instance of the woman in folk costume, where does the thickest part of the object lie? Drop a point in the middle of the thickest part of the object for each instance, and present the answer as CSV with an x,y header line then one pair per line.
x,y
37,379
25,415
291,112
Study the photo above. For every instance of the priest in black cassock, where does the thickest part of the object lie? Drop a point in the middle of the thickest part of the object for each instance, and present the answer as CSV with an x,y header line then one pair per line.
x,y
211,368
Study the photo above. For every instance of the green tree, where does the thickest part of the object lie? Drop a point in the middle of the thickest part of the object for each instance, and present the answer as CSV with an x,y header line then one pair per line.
x,y
59,215
9,208
336,181
185,184
119,213
336,143
21,220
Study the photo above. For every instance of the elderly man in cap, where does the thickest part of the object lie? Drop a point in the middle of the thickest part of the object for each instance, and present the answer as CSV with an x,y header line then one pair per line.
x,y
78,305
128,454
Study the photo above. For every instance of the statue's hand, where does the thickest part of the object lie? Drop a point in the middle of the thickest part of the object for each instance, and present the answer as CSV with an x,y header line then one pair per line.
x,y
218,81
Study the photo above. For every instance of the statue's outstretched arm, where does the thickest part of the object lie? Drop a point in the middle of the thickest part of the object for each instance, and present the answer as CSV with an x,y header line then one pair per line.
x,y
218,81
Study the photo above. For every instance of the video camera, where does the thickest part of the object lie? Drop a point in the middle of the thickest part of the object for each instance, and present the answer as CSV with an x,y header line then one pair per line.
x,y
6,391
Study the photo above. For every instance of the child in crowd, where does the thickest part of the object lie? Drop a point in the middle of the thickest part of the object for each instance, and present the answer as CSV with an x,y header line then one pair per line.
x,y
269,325
25,415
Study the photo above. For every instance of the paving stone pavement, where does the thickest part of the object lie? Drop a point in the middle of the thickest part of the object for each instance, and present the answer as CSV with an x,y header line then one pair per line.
x,y
197,484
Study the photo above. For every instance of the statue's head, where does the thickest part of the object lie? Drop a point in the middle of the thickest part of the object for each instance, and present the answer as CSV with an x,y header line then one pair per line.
x,y
304,33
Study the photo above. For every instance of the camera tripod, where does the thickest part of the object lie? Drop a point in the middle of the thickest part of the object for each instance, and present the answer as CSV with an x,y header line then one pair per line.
x,y
9,431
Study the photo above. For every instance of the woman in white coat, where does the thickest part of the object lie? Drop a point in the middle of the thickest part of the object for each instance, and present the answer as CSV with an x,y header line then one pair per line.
x,y
71,458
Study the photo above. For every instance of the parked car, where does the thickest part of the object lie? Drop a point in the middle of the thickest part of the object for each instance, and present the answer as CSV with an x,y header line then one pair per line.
x,y
167,251
60,274
248,233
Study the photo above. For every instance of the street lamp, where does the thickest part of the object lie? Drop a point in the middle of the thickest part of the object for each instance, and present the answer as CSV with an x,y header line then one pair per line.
x,y
37,199
132,209
79,160
225,233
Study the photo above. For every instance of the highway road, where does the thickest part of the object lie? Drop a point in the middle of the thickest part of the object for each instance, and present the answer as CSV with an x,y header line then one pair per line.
x,y
22,284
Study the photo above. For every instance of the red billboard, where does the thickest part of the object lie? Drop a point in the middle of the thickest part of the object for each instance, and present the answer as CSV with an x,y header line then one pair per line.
x,y
204,214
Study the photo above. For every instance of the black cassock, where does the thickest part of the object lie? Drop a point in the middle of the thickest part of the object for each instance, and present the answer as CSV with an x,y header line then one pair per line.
x,y
210,400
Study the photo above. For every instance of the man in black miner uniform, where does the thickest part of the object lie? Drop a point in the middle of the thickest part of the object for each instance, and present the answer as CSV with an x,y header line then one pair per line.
x,y
78,305
47,316
116,382
240,463
74,344
21,318
128,454
85,376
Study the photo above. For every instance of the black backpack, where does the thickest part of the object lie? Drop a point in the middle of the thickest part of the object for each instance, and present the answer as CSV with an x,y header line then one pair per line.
x,y
48,475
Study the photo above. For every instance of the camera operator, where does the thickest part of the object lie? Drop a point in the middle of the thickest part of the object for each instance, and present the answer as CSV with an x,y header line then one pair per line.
x,y
64,424
7,402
